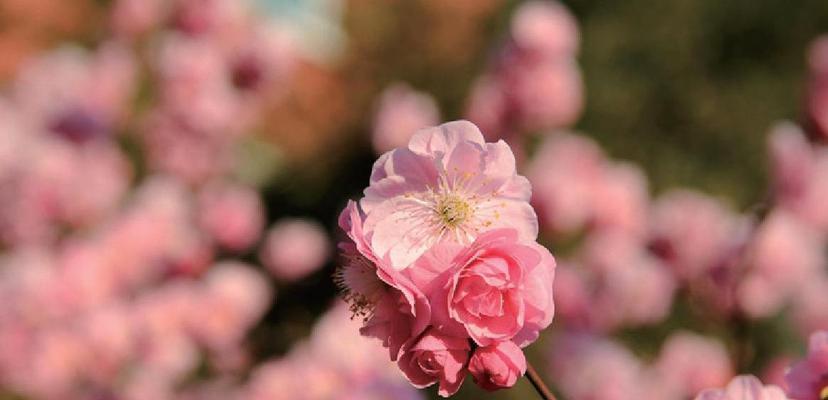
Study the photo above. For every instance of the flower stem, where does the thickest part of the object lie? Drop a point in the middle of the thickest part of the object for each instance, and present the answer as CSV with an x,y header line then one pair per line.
x,y
537,383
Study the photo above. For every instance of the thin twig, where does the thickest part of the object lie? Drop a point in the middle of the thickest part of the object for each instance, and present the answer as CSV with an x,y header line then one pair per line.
x,y
537,382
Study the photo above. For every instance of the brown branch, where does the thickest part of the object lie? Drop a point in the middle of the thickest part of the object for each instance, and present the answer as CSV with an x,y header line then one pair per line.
x,y
537,383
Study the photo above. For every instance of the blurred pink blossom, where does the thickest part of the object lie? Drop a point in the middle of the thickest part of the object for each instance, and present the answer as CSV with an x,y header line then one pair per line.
x,y
783,256
691,231
563,173
590,368
533,83
546,27
233,215
744,387
295,248
401,112
627,285
692,362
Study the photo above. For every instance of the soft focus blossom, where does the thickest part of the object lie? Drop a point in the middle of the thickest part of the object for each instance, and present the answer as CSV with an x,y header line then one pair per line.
x,y
294,248
692,362
800,174
335,363
534,82
784,255
564,173
691,231
817,94
744,387
590,368
231,214
402,111
616,283
546,27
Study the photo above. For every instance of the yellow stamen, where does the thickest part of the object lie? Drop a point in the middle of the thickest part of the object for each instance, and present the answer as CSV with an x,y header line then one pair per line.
x,y
453,210
823,395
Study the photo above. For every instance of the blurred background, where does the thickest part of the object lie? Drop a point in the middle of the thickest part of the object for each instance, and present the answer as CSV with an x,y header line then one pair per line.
x,y
171,173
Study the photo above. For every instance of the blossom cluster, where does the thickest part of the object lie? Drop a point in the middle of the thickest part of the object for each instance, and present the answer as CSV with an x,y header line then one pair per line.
x,y
148,248
442,260
129,232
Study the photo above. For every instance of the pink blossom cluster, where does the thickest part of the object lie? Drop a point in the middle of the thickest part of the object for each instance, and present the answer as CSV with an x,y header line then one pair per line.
x,y
126,223
589,366
626,272
335,362
442,261
533,82
807,379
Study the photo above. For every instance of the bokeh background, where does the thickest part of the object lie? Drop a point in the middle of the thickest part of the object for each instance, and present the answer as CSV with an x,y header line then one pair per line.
x,y
171,172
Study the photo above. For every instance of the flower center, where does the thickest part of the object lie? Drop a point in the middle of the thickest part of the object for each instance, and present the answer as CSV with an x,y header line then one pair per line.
x,y
453,210
823,395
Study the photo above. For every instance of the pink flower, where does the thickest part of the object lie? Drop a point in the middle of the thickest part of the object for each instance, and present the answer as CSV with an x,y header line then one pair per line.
x,y
448,185
792,161
693,362
588,367
294,248
800,174
744,387
808,379
502,288
817,95
396,310
497,366
402,111
547,94
436,358
622,200
691,231
810,306
545,27
627,285
564,173
232,214
784,255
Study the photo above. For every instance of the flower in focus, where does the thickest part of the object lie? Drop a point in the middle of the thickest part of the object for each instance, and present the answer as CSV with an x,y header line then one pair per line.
x,y
503,290
447,185
436,358
497,366
441,256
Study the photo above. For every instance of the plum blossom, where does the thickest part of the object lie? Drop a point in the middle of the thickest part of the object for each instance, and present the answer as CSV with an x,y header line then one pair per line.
x,y
693,362
447,185
497,366
436,358
503,290
402,111
294,248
